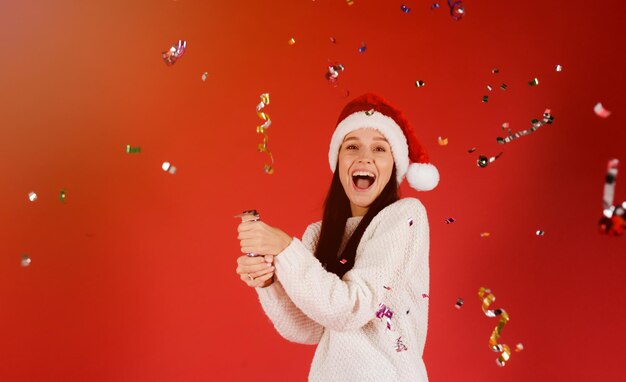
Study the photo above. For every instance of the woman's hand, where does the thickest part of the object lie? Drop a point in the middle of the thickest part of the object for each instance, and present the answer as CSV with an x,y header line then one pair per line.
x,y
256,271
258,237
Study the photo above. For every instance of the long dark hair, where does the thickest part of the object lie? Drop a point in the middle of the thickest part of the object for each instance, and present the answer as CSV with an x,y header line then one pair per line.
x,y
336,213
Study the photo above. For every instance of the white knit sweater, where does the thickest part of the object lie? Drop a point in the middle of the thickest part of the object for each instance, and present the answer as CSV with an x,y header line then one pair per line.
x,y
309,305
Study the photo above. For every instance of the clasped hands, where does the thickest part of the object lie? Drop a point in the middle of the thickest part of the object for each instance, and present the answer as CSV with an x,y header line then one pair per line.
x,y
264,240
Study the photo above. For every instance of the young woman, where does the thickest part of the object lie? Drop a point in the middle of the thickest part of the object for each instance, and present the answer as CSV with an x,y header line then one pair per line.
x,y
357,283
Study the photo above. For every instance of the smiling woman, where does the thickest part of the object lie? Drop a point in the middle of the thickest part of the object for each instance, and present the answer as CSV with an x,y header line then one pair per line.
x,y
366,260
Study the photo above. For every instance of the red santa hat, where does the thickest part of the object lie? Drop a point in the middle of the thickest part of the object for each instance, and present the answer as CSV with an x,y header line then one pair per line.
x,y
372,111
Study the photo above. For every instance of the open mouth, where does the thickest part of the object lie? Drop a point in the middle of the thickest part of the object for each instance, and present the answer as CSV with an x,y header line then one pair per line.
x,y
363,179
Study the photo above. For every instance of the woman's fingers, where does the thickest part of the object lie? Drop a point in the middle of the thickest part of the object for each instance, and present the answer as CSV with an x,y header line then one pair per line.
x,y
252,265
261,281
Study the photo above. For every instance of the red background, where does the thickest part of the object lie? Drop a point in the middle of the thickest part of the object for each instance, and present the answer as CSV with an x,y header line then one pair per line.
x,y
133,276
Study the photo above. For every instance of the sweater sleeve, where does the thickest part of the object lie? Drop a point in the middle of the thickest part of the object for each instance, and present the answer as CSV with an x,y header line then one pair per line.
x,y
289,321
389,247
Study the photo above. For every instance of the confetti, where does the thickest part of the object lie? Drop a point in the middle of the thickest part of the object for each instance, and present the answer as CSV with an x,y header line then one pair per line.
x,y
167,167
485,99
265,100
205,75
424,295
495,71
534,82
535,124
442,142
362,48
400,346
471,150
333,73
483,161
25,260
485,234
405,9
539,233
601,111
383,311
613,221
435,6
343,261
420,84
459,303
370,112
350,2
519,347
503,86
503,349
174,53
410,222
62,195
32,196
333,40
558,68
291,41
386,287
457,11
133,150
449,220
489,87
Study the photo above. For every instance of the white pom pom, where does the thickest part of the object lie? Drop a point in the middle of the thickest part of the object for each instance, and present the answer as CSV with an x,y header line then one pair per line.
x,y
422,176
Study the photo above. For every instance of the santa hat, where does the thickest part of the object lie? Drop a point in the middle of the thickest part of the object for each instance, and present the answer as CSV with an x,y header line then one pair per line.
x,y
371,110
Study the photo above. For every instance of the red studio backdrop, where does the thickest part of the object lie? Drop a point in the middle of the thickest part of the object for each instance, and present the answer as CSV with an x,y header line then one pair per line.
x,y
132,275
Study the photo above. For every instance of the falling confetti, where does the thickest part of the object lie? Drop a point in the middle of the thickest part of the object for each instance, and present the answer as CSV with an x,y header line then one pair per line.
x,y
503,86
471,150
534,82
370,112
405,9
133,150
457,11
601,111
350,2
386,287
420,84
459,303
383,311
32,196
400,346
362,48
613,221
535,124
442,142
450,220
174,53
489,87
205,75
167,167
62,195
410,222
291,41
424,295
25,261
435,6
495,71
333,40
333,73
265,100
539,233
343,261
485,234
483,161
503,349
485,99
558,68
519,347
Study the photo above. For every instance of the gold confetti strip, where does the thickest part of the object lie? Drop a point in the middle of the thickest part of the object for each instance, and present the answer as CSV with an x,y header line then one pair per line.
x,y
485,234
265,100
292,41
442,141
503,349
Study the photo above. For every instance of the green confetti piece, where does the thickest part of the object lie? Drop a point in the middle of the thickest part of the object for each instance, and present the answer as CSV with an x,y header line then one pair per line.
x,y
133,150
503,86
420,84
485,99
534,82
62,195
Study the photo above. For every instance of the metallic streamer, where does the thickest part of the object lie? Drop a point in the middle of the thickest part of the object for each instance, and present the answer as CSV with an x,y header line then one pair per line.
x,y
265,100
487,299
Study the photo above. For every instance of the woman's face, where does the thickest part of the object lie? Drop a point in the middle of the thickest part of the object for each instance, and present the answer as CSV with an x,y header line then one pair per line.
x,y
365,166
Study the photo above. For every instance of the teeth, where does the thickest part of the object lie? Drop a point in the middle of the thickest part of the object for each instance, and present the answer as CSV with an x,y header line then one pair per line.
x,y
363,173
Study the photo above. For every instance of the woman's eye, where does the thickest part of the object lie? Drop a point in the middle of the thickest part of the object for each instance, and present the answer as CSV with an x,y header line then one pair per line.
x,y
380,148
351,147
